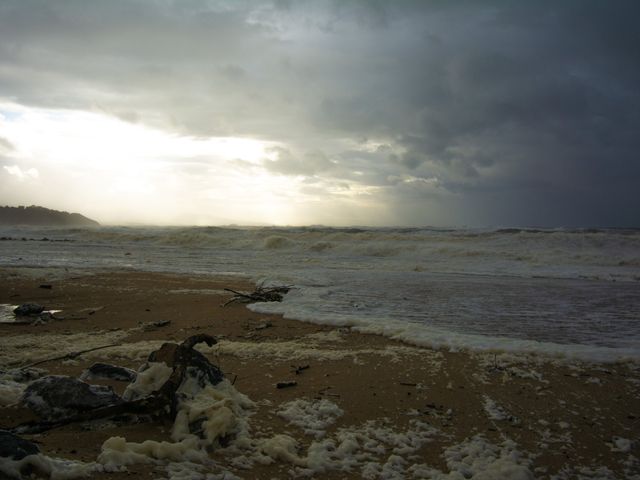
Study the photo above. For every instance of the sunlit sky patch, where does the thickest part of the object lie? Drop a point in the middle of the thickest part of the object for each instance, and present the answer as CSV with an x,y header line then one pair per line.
x,y
115,165
342,113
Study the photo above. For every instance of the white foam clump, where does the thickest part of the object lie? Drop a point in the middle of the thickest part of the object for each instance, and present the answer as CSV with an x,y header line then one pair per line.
x,y
313,417
494,411
480,459
116,451
382,452
10,392
52,468
223,411
368,448
149,379
620,444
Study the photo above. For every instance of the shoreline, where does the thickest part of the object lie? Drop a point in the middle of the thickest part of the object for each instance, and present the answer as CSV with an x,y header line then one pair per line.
x,y
521,412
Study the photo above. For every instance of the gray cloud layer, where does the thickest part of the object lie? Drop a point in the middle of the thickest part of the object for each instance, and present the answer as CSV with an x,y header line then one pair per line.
x,y
451,112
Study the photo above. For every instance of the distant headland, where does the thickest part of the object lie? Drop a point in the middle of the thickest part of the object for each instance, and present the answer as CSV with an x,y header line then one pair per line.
x,y
41,216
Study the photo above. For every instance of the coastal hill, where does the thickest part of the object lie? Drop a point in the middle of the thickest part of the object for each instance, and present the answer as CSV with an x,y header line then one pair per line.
x,y
41,216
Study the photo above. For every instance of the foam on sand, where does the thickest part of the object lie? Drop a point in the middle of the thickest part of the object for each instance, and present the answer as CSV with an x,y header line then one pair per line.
x,y
221,410
322,346
312,416
48,467
28,348
10,391
476,457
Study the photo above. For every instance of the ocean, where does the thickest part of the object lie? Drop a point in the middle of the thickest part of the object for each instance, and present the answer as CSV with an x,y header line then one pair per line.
x,y
567,292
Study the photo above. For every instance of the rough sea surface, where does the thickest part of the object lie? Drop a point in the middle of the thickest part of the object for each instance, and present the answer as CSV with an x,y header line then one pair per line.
x,y
567,292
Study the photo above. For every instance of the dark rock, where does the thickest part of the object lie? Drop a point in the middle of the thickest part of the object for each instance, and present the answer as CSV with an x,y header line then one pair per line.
x,y
14,447
286,384
28,309
113,372
46,286
59,396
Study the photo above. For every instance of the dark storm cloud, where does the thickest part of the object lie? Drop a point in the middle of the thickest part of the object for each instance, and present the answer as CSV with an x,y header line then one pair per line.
x,y
457,112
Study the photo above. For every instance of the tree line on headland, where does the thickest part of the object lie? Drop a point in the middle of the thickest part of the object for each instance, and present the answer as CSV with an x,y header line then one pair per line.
x,y
41,216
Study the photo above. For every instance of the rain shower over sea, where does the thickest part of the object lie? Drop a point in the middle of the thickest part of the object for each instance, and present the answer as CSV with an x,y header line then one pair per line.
x,y
559,292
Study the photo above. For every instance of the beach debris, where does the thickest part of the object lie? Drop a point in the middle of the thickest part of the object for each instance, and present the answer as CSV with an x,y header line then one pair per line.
x,y
185,361
263,325
15,448
46,286
91,310
298,369
286,384
153,325
57,396
155,392
28,309
260,294
112,372
43,318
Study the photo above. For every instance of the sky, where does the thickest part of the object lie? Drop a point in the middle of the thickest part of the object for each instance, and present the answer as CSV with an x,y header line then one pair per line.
x,y
336,112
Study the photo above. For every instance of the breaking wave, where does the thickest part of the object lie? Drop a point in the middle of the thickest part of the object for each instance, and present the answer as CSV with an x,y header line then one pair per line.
x,y
515,286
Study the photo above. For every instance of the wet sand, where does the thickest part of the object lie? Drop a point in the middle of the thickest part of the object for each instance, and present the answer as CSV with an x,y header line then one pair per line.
x,y
492,410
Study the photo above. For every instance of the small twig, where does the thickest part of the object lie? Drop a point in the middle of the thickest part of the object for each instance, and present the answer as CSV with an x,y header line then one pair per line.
x,y
69,355
240,294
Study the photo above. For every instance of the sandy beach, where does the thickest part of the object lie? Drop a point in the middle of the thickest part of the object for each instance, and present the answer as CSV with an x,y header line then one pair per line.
x,y
363,406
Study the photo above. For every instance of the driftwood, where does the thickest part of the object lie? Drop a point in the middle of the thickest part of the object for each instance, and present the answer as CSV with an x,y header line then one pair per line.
x,y
161,403
261,294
